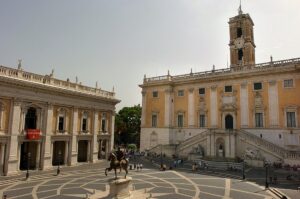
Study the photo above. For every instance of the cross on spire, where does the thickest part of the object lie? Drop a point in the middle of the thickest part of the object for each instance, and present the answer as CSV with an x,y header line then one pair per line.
x,y
240,8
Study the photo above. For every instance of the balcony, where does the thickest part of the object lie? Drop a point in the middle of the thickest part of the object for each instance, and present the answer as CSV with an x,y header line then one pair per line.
x,y
33,134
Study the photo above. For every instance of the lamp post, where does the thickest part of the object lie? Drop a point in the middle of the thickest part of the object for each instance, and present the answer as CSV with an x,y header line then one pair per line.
x,y
161,158
28,164
58,168
266,184
244,170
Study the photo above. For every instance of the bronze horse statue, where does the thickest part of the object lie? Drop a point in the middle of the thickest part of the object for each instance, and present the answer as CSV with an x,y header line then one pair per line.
x,y
116,164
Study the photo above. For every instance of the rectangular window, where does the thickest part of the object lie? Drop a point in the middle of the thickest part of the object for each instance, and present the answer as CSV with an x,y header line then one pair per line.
x,y
202,120
180,120
84,123
228,89
201,91
259,120
154,120
103,125
155,94
61,123
290,119
257,86
288,83
240,54
180,93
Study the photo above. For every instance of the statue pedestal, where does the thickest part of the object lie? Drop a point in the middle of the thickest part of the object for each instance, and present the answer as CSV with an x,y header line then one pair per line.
x,y
120,188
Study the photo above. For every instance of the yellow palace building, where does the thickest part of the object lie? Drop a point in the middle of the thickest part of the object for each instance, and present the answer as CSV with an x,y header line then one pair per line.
x,y
248,110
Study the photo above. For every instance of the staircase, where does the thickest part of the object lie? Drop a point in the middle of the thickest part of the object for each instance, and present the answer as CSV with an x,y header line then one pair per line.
x,y
268,146
192,141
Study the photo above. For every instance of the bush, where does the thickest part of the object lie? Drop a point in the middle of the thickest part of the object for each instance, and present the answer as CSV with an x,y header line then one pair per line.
x,y
131,147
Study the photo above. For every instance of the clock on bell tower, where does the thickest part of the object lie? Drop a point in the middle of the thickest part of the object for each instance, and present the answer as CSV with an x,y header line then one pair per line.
x,y
242,47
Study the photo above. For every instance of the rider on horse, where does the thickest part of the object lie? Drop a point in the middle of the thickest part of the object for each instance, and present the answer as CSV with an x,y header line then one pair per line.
x,y
120,154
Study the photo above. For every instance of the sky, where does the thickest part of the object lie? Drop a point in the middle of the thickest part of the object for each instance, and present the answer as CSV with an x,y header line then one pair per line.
x,y
116,42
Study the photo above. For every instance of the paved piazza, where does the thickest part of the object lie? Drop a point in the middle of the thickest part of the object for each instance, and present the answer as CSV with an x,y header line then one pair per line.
x,y
79,182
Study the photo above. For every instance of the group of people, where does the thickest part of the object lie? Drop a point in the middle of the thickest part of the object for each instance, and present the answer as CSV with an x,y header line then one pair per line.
x,y
122,155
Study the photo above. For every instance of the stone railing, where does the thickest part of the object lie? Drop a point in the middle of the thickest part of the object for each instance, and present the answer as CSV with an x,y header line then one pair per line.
x,y
219,72
192,140
50,81
275,149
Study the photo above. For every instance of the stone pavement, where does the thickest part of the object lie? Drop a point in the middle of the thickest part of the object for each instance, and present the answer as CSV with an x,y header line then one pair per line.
x,y
79,182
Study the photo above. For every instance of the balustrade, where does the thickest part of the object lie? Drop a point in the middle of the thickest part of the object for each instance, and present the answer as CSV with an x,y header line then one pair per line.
x,y
261,67
20,74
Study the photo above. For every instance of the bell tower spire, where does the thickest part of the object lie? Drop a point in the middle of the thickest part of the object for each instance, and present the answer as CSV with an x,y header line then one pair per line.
x,y
240,8
242,46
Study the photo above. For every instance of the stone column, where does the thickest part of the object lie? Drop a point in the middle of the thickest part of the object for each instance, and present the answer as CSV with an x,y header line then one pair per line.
x,y
38,155
2,155
144,105
14,131
94,157
106,149
112,133
191,108
232,145
74,137
66,152
208,152
100,149
212,144
244,105
213,107
227,146
273,104
89,151
48,144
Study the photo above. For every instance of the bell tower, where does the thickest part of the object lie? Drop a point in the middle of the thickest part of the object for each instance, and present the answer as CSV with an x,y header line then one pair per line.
x,y
242,47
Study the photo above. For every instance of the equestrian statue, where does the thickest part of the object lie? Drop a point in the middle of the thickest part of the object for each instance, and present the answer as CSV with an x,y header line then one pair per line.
x,y
117,161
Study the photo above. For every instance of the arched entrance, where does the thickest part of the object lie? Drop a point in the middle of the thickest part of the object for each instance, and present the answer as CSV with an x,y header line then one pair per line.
x,y
228,122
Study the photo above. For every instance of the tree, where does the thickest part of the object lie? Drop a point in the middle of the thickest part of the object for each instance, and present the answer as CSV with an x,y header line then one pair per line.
x,y
128,125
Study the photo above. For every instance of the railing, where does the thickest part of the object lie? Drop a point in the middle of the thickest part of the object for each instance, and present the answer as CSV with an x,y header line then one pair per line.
x,y
192,140
221,165
48,80
269,145
261,66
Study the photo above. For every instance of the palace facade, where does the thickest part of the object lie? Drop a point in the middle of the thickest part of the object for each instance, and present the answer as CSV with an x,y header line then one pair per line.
x,y
45,121
248,109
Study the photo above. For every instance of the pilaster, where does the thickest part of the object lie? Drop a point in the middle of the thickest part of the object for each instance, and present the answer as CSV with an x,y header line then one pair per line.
x,y
244,105
112,133
74,132
47,163
191,108
213,107
94,150
14,132
273,104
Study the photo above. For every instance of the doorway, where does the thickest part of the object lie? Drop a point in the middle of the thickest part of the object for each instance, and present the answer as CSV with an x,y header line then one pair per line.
x,y
228,122
82,151
28,155
58,153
